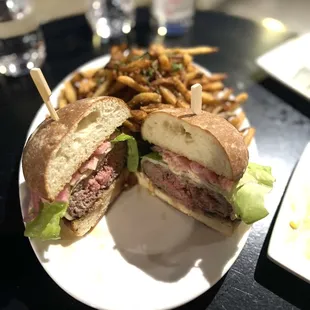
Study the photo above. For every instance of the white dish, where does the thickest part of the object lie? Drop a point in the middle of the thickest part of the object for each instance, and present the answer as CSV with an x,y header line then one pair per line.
x,y
290,64
288,247
142,255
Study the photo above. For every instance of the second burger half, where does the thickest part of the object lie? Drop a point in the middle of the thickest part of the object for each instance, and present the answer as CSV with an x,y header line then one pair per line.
x,y
199,165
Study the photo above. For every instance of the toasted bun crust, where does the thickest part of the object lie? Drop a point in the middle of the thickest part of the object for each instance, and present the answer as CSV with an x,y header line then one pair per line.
x,y
224,226
206,138
56,149
84,224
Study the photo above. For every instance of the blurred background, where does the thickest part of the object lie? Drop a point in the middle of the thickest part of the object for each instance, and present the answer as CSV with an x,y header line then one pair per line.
x,y
293,14
22,44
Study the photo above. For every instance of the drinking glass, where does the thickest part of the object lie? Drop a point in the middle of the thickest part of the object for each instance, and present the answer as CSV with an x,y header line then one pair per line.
x,y
22,45
111,18
172,17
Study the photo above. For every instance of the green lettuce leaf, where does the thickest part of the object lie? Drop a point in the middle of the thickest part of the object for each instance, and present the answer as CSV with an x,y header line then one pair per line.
x,y
248,195
261,173
46,225
154,156
133,153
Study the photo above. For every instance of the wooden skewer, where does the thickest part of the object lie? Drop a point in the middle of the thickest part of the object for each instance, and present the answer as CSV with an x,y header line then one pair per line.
x,y
196,98
44,90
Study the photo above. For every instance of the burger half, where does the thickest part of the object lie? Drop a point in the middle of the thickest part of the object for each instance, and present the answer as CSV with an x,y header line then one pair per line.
x,y
199,165
75,167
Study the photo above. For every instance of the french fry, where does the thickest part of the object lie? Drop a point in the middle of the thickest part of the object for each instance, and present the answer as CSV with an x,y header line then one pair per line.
x,y
216,110
114,74
62,102
212,87
182,89
70,93
193,82
187,59
155,107
182,76
182,104
103,88
89,73
136,65
191,75
163,81
177,58
86,86
193,51
101,73
164,62
191,68
224,94
140,78
207,98
117,86
138,115
132,83
227,114
137,51
167,95
143,98
217,77
248,135
200,79
240,99
237,120
61,95
134,127
114,50
134,54
208,107
77,76
117,52
156,49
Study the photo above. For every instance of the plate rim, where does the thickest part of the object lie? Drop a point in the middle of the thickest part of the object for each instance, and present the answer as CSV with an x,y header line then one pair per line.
x,y
271,250
261,62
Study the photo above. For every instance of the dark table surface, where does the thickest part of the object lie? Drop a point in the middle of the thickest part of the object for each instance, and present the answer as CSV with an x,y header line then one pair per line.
x,y
283,128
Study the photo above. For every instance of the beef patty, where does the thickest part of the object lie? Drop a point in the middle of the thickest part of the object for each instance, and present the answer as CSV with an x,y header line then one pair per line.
x,y
86,192
186,192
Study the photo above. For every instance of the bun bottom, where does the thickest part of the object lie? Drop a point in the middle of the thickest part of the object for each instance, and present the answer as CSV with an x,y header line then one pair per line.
x,y
224,226
83,225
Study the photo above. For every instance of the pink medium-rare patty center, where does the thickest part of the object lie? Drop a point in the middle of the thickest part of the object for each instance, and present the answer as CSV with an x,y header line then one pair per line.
x,y
178,163
86,192
189,194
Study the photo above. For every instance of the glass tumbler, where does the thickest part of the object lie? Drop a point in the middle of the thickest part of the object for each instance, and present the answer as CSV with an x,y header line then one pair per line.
x,y
111,18
22,45
172,17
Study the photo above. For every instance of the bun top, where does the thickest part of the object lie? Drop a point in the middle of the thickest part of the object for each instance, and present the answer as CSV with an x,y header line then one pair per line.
x,y
206,138
56,149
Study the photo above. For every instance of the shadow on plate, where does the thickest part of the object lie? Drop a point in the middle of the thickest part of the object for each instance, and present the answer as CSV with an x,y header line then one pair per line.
x,y
41,247
165,243
278,280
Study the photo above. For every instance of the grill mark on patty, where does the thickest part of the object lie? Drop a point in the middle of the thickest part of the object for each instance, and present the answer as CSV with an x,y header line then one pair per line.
x,y
86,192
188,193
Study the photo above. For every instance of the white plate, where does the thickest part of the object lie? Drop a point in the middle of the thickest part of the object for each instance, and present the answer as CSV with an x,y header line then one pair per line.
x,y
288,247
142,255
290,64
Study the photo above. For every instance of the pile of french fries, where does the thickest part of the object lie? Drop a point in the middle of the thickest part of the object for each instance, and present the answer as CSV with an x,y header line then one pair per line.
x,y
154,79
